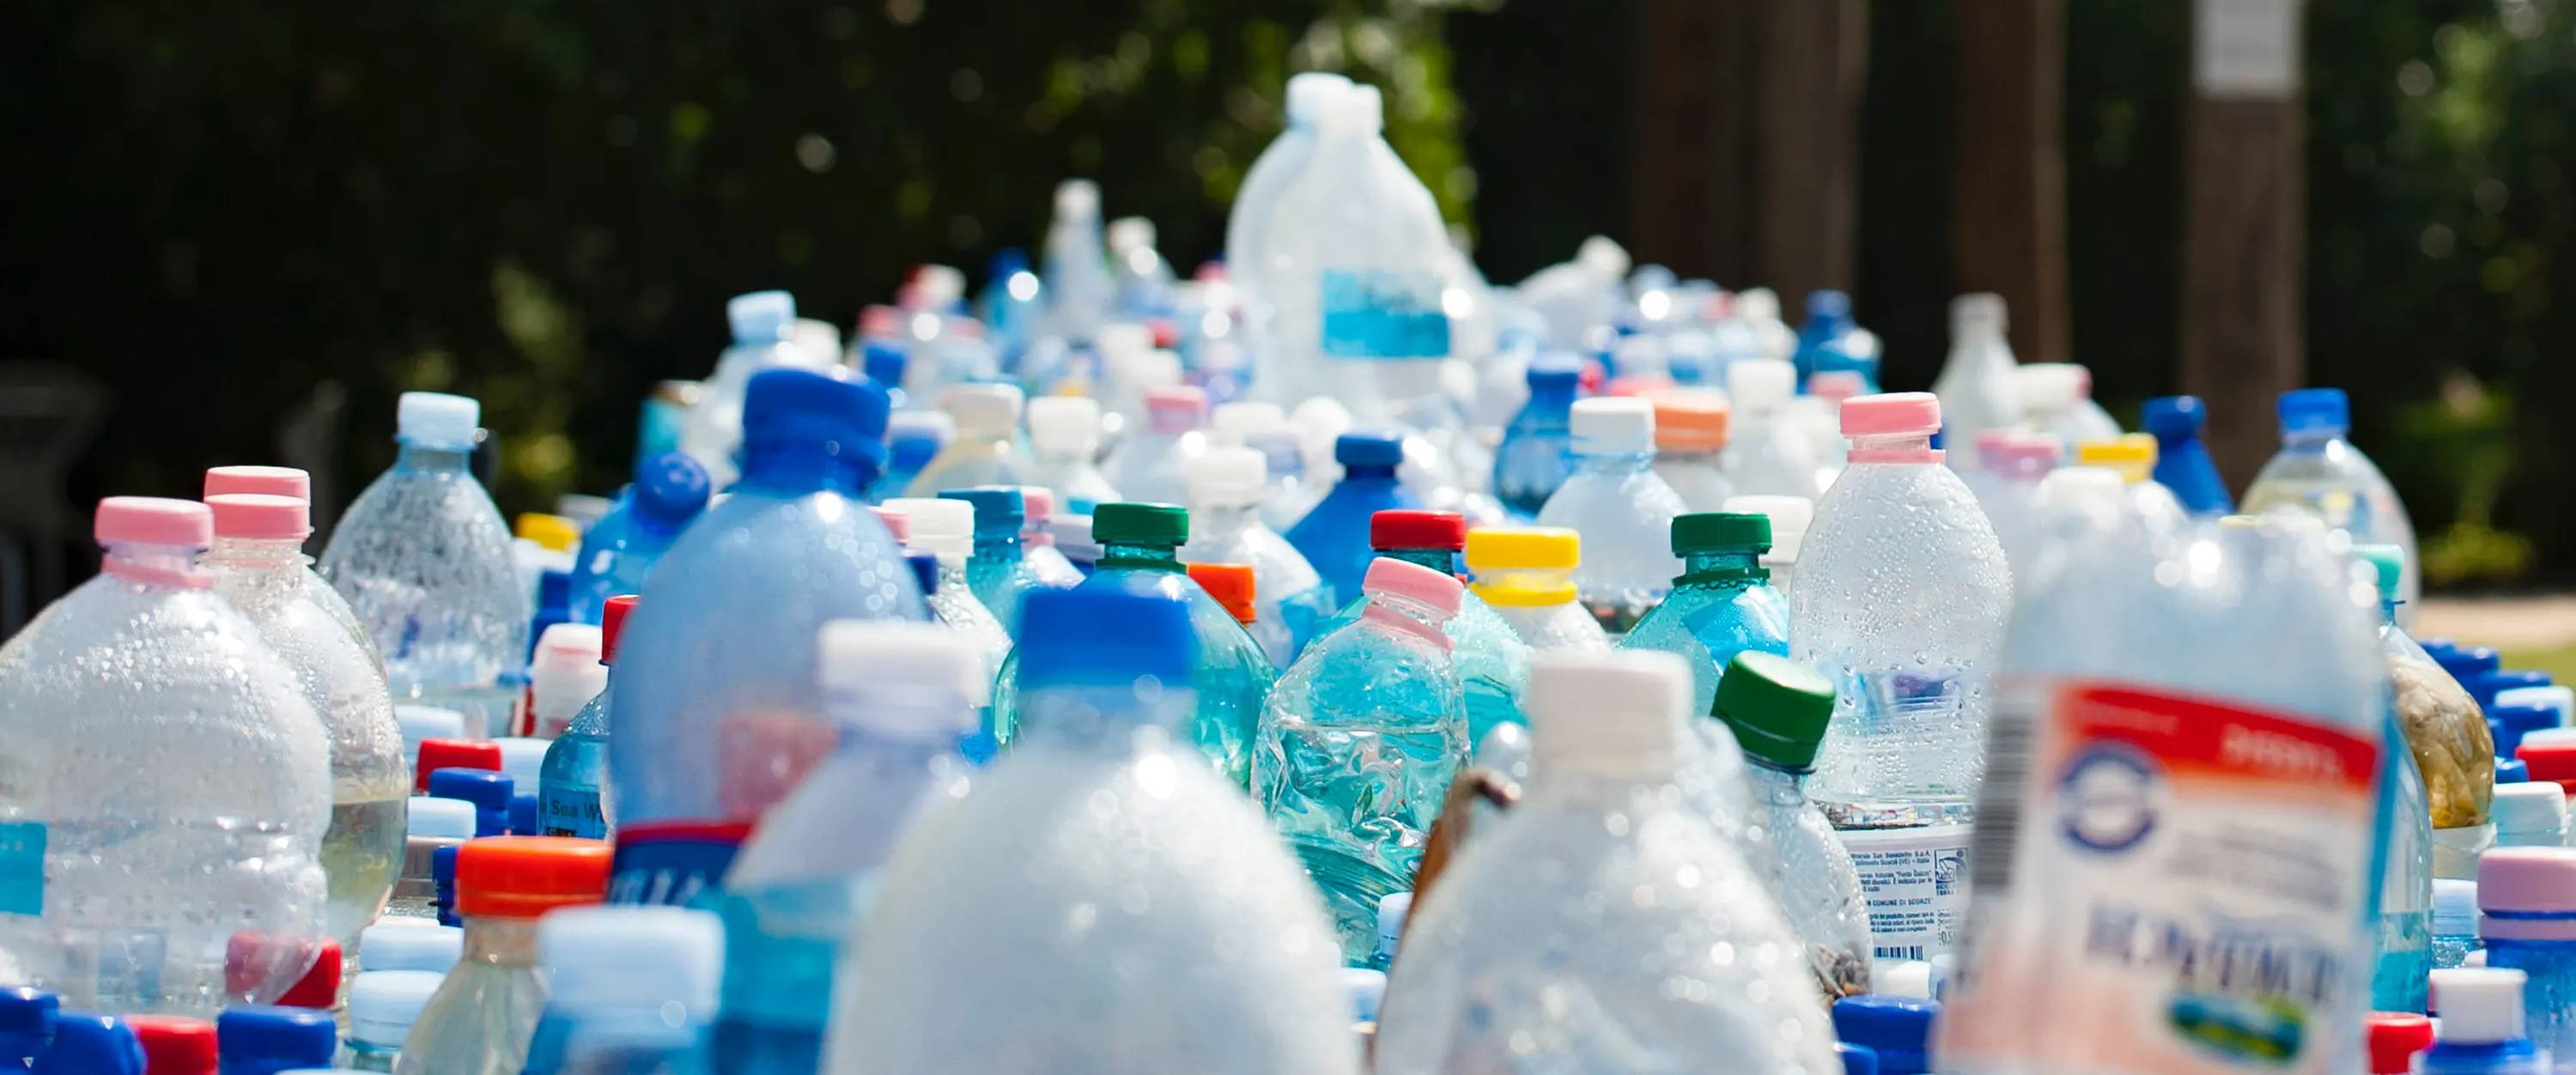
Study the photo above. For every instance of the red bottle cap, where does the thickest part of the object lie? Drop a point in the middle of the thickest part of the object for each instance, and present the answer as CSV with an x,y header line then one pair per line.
x,y
1404,528
320,987
2395,1038
526,876
612,625
437,754
2550,761
175,1045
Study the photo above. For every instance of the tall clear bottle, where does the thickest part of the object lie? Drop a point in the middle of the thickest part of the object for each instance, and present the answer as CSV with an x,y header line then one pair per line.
x,y
2320,473
1622,509
1076,272
1767,454
1493,662
290,482
945,528
2405,897
1690,447
1225,487
425,561
1778,710
1722,603
631,991
1279,164
1976,385
986,450
1126,910
483,1015
2057,400
669,491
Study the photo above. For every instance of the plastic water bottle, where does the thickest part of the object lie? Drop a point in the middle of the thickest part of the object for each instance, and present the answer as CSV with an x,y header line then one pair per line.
x,y
2485,1027
123,893
480,1020
1076,276
1721,605
2455,922
1492,661
258,566
1046,563
1767,454
913,439
2057,399
1790,517
258,1040
1278,165
1233,586
763,324
2320,473
1225,487
383,1005
1612,893
1199,945
632,991
986,450
175,1044
1064,432
290,482
1622,510
1288,489
1690,438
564,677
2405,891
1976,385
2527,916
2011,465
572,779
903,693
1778,709
1819,412
996,571
697,756
1537,453
424,560
1358,743
1013,303
2182,461
669,491
1334,536
1527,575
946,528
2237,677
85,1044
2133,457
1152,464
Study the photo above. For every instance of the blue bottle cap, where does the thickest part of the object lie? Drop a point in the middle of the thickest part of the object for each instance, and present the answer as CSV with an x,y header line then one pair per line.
x,y
262,1037
1857,1059
2467,661
1006,262
1000,511
1557,370
2173,416
2509,723
2511,770
2442,650
1828,304
86,1044
554,592
670,489
1062,640
1368,449
1899,1029
409,944
883,362
26,1011
490,792
802,406
2484,686
442,878
523,815
925,570
2317,410
761,317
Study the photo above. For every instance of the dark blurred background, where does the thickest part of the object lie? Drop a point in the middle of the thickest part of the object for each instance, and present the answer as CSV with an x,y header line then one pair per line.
x,y
247,226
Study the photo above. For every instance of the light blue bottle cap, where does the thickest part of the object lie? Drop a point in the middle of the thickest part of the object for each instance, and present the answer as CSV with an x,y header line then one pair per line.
x,y
1391,913
761,317
1366,988
436,818
420,722
437,420
383,1004
522,758
2455,907
410,945
636,958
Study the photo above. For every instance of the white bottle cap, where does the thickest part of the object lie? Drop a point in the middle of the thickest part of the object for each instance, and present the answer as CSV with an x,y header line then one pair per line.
x,y
2533,806
1077,198
1361,109
1980,312
2050,386
1612,713
437,420
1308,94
983,405
420,722
1068,424
761,317
1226,476
2479,1005
1392,910
1613,425
910,425
819,339
2552,736
2455,907
410,944
939,524
636,958
1901,978
1756,304
2556,696
435,818
1239,422
1130,233
1789,518
932,673
1604,256
1120,341
565,674
524,759
383,1004
1756,385
2076,486
1367,990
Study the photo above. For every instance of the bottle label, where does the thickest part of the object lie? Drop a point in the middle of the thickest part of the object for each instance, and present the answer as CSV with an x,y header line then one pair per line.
x,y
2192,876
1380,314
1916,882
22,867
563,811
672,862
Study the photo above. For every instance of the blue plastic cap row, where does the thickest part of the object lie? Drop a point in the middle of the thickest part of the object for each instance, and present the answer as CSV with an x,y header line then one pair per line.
x,y
86,1044
267,1038
2315,410
1368,449
2484,686
670,489
490,792
1000,510
1898,1029
2509,723
2463,662
1103,632
2174,416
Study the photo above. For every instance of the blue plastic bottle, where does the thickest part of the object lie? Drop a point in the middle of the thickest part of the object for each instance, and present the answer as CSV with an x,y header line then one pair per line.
x,y
716,712
27,1020
1493,662
2182,461
997,570
1012,303
256,1040
1537,453
568,802
631,991
86,1044
669,490
2527,916
1334,536
1829,319
1721,605
1358,744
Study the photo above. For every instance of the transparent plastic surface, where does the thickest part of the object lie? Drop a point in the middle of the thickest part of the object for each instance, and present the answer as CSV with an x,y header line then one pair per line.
x,y
1287,593
1625,514
426,563
1708,622
2328,478
484,1014
1564,626
1807,869
1699,478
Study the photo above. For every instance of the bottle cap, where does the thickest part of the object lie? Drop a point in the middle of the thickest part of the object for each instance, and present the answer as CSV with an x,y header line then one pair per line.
x,y
526,876
1523,548
2512,722
2315,410
1760,385
2001,450
1175,409
2531,807
1357,110
928,667
1232,585
1613,425
437,754
395,945
2387,565
1835,386
925,570
1438,591
1061,641
1064,425
1892,414
175,1045
1978,310
1309,92
272,481
567,670
761,317
982,405
1614,712
1828,305
260,516
523,759
1410,528
320,986
1077,198
437,420
1037,505
2485,686
2479,1005
1690,421
431,817
259,1037
152,520
1899,1029
799,406
670,489
1857,1059
488,790
2548,759
87,1044
1777,707
1368,449
383,1004
2395,1038
896,523
999,511
1123,340
1721,531
1129,233
1392,909
2512,770
612,625
28,1012
1225,476
2047,387
2514,882
2466,661
1789,517
1554,372
1237,422
2132,456
1140,524
554,533
2174,416
662,960
946,527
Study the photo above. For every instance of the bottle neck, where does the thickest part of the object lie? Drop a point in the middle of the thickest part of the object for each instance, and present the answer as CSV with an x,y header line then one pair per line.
x,y
1553,401
1406,617
1604,787
1444,561
1614,462
1140,557
501,942
1723,568
1906,448
998,546
1367,473
1775,784
2388,612
2312,439
893,747
156,565
1222,520
255,573
423,458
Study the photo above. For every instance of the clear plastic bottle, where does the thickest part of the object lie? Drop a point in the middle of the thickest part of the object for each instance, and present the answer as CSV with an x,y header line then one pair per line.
x,y
1046,563
1976,385
425,561
383,1005
2455,922
1279,164
631,991
1225,486
1493,662
903,693
997,571
2405,891
1721,605
1151,465
2133,457
2320,473
257,1040
1537,452
2485,1026
696,757
572,781
290,482
1790,516
1358,743
1077,263
2057,400
1126,911
1622,509
913,439
1234,586
2527,916
2182,461
259,567
670,490
986,450
1064,431
429,823
1141,282
169,785
1819,412
946,528
1640,938
1334,536
484,1013
1766,453
1778,710
1288,489
1690,446
1527,575
2011,464
764,326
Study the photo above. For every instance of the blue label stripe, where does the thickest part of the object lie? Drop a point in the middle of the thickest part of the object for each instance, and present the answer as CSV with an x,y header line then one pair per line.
x,y
22,867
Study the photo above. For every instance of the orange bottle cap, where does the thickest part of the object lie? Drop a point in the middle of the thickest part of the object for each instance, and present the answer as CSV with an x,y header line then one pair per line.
x,y
1690,421
526,876
1230,584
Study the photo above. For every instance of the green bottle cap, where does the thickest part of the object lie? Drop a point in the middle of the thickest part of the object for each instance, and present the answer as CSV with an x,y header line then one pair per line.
x,y
1140,524
2388,561
1777,708
1721,531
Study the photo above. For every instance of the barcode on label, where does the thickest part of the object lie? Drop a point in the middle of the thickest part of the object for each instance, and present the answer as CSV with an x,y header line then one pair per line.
x,y
2009,736
1897,951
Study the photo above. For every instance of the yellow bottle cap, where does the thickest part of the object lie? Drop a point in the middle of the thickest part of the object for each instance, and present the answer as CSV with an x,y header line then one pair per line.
x,y
552,531
2133,455
1507,560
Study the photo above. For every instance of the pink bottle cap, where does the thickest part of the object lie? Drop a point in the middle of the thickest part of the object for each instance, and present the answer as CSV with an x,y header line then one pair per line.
x,y
275,481
1436,590
896,523
1892,414
880,321
2526,880
2013,450
152,520
1836,385
1176,408
1037,504
261,516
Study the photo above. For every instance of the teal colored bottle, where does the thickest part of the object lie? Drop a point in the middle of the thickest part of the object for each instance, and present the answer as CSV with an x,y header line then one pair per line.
x,y
1722,604
576,763
1492,661
1359,742
1140,550
997,570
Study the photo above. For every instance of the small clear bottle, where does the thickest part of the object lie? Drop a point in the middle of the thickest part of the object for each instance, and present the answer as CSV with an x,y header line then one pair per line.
x,y
1150,465
383,1004
1493,662
572,781
946,528
480,1020
2455,922
998,570
1790,516
631,991
1236,587
1622,509
1225,486
1767,453
1527,575
1064,432
1047,563
2318,471
1778,710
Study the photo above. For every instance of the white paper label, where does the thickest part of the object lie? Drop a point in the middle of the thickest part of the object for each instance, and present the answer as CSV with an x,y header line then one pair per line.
x,y
1916,882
